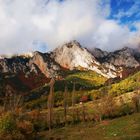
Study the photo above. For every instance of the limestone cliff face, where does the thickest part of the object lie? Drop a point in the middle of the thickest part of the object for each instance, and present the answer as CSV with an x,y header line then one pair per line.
x,y
45,63
125,60
124,57
98,53
72,56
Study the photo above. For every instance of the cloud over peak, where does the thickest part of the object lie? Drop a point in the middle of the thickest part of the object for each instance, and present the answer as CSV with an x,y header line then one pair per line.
x,y
43,25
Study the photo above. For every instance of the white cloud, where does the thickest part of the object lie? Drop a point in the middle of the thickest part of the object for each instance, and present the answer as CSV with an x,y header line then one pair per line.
x,y
134,40
137,25
111,36
28,21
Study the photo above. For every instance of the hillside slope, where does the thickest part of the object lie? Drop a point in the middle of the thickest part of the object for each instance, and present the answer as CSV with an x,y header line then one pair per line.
x,y
129,84
124,128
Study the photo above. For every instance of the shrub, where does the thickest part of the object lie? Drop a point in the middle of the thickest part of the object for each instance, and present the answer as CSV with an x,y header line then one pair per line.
x,y
125,109
7,123
105,108
40,125
136,102
109,106
97,111
84,98
34,115
25,127
15,135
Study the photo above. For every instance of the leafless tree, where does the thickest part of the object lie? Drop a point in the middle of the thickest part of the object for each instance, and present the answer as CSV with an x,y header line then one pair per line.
x,y
73,102
73,95
51,103
65,104
84,112
12,99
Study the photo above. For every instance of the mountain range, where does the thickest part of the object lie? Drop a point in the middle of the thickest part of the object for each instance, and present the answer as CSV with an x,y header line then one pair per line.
x,y
37,68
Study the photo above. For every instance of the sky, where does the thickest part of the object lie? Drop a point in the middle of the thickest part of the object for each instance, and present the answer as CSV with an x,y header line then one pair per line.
x,y
30,25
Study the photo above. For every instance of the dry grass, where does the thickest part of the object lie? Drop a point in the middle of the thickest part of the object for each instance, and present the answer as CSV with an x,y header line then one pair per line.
x,y
124,128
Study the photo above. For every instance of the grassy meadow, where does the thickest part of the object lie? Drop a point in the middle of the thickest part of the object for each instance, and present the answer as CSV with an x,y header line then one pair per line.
x,y
80,106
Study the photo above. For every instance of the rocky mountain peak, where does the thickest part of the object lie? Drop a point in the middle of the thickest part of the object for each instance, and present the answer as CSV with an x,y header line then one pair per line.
x,y
45,63
124,57
1,57
37,53
98,53
72,44
125,51
72,55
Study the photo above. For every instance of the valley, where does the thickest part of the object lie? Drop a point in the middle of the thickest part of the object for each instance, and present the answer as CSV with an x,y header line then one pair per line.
x,y
70,93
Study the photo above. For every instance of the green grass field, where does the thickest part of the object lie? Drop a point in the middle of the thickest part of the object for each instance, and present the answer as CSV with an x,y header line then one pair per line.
x,y
123,128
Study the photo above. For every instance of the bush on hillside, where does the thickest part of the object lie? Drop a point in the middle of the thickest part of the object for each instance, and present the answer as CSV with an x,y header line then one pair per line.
x,y
25,127
136,102
7,123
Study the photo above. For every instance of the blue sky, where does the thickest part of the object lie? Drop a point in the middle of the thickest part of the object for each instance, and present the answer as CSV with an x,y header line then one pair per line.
x,y
126,11
43,25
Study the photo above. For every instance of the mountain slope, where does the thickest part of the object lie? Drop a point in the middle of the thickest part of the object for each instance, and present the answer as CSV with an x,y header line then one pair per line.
x,y
14,64
84,80
32,69
98,53
125,61
124,57
129,84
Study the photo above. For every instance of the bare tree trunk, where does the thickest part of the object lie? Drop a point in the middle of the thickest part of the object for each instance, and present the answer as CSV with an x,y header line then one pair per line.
x,y
65,104
5,103
83,112
51,104
77,115
73,102
73,95
12,101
